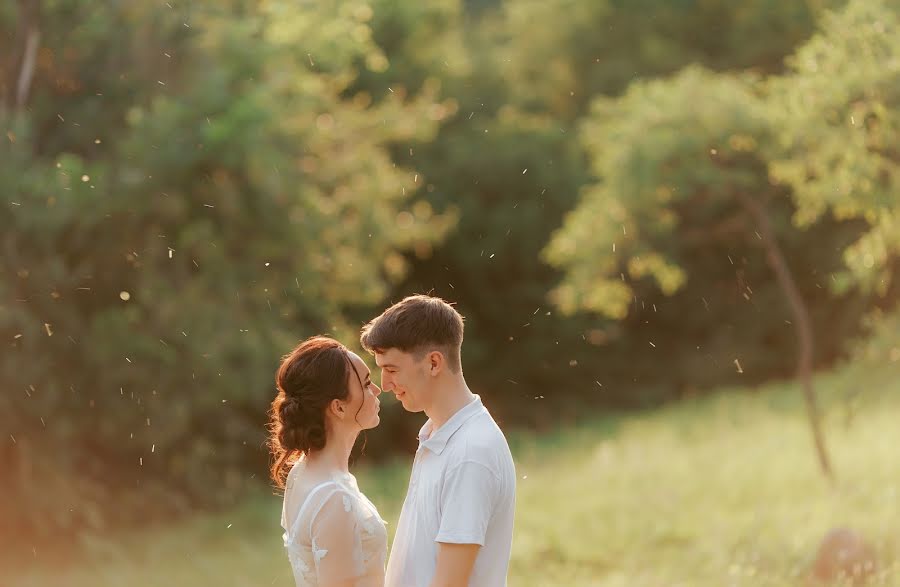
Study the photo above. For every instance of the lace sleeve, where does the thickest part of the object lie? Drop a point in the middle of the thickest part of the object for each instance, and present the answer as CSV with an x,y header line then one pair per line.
x,y
337,543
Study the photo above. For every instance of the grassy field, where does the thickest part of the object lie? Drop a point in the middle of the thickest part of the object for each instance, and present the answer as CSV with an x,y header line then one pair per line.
x,y
719,491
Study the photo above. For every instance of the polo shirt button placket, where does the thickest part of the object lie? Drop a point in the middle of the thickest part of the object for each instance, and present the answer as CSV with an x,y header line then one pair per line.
x,y
413,480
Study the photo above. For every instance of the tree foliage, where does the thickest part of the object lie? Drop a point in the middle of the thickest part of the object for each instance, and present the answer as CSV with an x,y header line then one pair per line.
x,y
838,113
187,193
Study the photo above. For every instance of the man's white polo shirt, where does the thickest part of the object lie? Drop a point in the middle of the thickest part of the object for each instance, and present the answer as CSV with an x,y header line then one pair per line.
x,y
462,491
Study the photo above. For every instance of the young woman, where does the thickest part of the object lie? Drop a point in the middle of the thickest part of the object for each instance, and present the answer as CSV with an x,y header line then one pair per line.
x,y
334,535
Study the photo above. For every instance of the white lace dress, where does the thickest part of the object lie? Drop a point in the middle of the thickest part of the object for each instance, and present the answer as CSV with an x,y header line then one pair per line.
x,y
333,533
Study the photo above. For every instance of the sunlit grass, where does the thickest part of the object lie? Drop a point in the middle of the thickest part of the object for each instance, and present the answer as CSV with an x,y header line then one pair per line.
x,y
722,491
718,491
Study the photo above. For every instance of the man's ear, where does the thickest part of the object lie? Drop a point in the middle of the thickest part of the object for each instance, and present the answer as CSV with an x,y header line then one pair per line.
x,y
436,363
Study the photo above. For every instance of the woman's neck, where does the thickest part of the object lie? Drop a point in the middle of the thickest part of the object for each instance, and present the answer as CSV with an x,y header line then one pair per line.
x,y
336,454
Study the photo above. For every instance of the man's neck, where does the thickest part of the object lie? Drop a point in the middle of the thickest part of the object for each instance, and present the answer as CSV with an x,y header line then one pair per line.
x,y
447,402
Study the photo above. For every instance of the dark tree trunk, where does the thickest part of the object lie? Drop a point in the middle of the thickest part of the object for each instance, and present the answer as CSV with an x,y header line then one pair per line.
x,y
802,324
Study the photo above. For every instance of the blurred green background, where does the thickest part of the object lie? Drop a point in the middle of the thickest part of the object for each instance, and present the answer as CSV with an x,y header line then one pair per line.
x,y
653,215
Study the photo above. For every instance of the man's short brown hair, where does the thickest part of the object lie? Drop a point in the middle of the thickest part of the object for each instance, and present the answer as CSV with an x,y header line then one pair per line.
x,y
417,325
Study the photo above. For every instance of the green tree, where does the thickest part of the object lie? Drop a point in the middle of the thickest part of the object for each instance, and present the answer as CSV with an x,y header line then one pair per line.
x,y
695,141
823,136
187,192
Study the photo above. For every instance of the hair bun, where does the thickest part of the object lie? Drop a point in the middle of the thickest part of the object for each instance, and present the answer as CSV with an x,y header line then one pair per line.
x,y
301,429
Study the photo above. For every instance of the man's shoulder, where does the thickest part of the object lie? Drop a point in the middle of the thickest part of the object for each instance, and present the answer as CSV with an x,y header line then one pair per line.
x,y
479,437
483,425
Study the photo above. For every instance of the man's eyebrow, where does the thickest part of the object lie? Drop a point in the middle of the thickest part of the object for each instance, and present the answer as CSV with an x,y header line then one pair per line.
x,y
388,366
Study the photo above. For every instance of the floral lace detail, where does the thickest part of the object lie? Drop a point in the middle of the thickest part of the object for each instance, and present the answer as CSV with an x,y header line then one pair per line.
x,y
307,555
304,576
318,553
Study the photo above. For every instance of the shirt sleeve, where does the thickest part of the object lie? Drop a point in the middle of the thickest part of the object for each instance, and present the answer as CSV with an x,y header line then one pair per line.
x,y
336,541
468,497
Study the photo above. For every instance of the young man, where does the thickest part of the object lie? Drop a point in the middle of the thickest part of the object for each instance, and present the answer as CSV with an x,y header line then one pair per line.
x,y
456,525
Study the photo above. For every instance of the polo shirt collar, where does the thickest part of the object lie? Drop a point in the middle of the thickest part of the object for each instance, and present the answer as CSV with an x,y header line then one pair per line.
x,y
439,438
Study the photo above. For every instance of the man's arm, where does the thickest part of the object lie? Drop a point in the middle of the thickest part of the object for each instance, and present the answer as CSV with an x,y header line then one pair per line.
x,y
467,505
454,564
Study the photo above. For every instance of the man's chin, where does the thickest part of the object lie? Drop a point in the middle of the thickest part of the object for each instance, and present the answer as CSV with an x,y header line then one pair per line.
x,y
409,407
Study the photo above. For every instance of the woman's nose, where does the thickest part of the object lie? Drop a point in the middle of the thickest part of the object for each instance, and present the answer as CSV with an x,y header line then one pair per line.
x,y
377,389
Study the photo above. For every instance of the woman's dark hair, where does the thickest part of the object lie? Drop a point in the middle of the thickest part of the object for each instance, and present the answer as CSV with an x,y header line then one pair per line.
x,y
310,377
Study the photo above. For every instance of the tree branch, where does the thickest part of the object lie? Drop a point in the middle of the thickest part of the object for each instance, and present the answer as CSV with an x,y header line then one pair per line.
x,y
29,39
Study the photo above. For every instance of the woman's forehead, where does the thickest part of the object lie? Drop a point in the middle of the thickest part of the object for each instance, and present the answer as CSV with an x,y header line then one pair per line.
x,y
358,364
